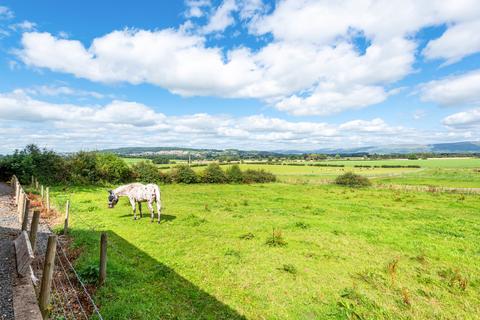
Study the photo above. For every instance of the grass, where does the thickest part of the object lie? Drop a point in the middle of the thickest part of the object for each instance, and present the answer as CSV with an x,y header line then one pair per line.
x,y
349,253
446,177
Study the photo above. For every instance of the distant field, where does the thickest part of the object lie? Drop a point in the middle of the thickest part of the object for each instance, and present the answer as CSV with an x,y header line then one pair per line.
x,y
135,160
349,253
456,172
429,163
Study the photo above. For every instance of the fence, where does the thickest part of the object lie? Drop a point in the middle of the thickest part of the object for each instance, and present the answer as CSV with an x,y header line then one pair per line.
x,y
62,293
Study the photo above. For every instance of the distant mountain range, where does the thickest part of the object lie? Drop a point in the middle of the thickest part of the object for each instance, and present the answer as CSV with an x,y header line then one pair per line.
x,y
453,147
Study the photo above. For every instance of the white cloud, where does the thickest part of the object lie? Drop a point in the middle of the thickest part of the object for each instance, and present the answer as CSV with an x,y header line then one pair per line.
x,y
453,91
327,100
466,119
312,65
458,41
125,123
6,13
221,18
52,90
23,26
195,8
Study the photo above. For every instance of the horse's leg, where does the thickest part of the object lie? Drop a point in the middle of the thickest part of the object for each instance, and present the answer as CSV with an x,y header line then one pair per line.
x,y
159,208
132,203
140,209
151,210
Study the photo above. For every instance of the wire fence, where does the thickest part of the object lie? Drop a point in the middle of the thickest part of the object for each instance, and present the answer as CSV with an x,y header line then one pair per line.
x,y
70,297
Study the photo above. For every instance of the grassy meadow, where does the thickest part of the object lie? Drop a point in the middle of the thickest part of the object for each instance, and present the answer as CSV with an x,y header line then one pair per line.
x,y
336,253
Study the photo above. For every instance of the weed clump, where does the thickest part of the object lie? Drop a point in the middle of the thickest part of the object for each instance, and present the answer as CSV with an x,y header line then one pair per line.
x,y
276,240
289,268
351,179
232,253
247,236
302,225
89,274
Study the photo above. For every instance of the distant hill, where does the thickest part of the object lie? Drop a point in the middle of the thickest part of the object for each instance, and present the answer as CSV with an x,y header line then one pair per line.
x,y
453,147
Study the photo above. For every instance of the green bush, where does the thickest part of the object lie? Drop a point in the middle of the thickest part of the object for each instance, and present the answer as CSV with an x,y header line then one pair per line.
x,y
352,180
184,174
234,174
94,168
47,166
258,176
112,169
147,172
213,174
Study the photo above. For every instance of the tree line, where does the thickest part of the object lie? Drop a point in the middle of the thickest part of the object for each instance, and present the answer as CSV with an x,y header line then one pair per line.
x,y
86,168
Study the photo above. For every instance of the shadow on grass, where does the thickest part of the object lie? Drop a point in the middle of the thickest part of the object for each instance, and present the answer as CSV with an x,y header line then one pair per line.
x,y
140,287
163,217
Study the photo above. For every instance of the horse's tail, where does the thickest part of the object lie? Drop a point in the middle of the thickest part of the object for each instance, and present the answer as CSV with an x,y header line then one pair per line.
x,y
157,192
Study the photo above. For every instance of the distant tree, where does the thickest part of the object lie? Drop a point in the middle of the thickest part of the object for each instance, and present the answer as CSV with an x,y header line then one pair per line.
x,y
213,174
234,174
184,174
146,172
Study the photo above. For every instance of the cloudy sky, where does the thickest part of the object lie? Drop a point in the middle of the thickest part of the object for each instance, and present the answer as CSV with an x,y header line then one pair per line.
x,y
249,74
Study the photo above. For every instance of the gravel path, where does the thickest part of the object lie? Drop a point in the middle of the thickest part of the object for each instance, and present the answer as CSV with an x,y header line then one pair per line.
x,y
8,231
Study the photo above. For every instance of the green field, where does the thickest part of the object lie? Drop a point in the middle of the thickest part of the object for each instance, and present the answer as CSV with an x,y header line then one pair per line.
x,y
349,253
368,253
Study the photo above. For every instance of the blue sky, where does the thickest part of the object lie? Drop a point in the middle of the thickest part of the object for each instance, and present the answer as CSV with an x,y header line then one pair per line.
x,y
247,74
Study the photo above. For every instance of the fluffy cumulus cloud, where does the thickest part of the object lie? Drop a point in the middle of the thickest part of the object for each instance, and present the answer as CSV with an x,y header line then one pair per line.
x,y
456,90
312,65
457,42
464,120
127,123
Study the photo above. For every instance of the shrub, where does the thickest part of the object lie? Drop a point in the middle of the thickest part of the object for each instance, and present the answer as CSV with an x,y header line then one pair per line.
x,y
213,174
83,168
352,180
184,174
144,171
46,165
111,168
234,174
94,168
258,176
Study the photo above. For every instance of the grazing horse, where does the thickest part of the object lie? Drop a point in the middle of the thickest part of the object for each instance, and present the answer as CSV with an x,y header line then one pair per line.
x,y
137,193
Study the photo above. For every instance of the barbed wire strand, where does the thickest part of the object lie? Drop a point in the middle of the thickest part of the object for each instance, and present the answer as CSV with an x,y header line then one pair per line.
x,y
80,281
55,300
67,300
71,285
63,300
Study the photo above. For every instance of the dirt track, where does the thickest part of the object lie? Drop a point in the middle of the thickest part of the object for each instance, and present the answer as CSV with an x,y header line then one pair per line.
x,y
8,225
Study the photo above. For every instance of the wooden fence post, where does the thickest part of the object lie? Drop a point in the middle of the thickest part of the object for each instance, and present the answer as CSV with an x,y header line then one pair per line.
x,y
25,214
36,184
41,192
34,229
48,199
17,190
67,212
103,259
48,267
33,181
21,199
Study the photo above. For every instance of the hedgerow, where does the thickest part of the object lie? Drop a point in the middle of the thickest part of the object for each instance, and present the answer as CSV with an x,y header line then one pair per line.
x,y
87,168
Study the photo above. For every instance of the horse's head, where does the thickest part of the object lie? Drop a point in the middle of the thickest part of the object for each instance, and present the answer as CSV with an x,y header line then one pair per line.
x,y
112,199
